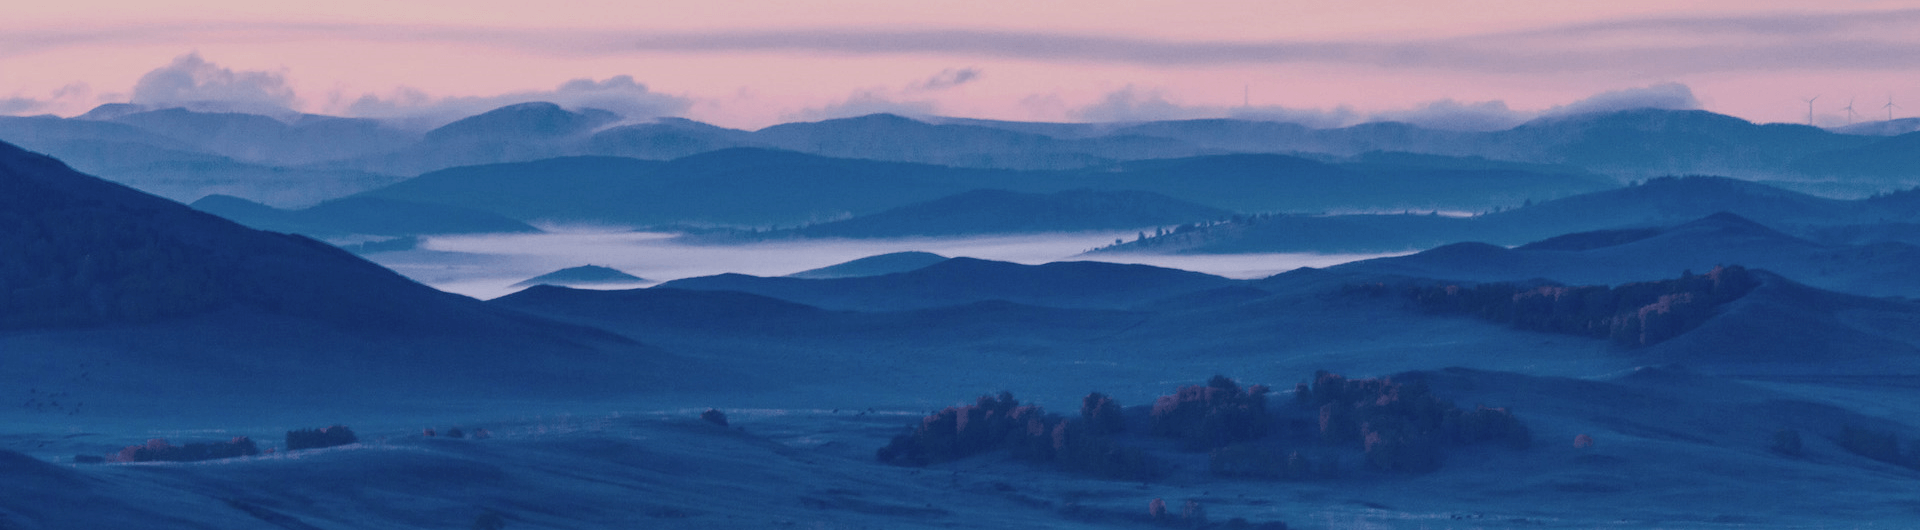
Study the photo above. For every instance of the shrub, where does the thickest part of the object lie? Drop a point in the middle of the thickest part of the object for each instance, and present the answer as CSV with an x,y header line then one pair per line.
x,y
1582,441
317,438
1635,314
714,416
1026,431
1212,416
992,422
1400,425
158,450
1103,414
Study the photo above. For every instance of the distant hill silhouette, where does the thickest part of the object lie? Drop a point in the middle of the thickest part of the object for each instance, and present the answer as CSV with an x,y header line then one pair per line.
x,y
873,266
582,275
1611,257
1881,128
741,186
361,215
523,121
666,139
1896,157
1658,202
263,140
896,138
1080,284
759,187
1006,212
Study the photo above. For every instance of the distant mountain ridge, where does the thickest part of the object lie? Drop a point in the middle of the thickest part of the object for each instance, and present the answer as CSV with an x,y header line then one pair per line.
x,y
873,266
582,275
1657,202
1628,144
1004,212
958,281
1611,257
361,216
752,187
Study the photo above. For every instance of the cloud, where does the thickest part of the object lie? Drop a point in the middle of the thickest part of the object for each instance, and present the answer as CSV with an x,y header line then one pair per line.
x,y
1132,104
619,94
1449,114
1340,116
1670,96
1661,46
14,106
64,98
946,79
862,103
190,81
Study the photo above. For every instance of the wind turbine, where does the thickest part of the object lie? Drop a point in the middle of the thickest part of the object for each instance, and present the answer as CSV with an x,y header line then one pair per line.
x,y
1810,109
1890,106
1849,109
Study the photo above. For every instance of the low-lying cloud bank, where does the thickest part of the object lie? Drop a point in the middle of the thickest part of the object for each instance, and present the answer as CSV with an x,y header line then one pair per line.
x,y
193,82
620,94
1133,104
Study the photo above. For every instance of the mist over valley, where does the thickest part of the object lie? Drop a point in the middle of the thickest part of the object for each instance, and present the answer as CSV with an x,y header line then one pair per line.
x,y
229,299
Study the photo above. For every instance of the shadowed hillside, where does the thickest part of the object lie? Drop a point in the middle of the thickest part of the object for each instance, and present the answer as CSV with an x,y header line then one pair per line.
x,y
1079,284
361,215
98,274
873,266
1658,202
1006,212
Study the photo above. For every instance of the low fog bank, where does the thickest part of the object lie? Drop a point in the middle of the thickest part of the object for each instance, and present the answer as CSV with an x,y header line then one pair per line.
x,y
486,266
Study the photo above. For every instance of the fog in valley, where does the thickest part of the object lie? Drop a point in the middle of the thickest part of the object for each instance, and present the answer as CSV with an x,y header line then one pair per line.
x,y
1068,265
487,266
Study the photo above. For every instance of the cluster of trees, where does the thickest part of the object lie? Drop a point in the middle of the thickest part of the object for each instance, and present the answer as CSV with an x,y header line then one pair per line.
x,y
158,450
1634,314
1398,425
1212,416
1401,426
318,438
1084,444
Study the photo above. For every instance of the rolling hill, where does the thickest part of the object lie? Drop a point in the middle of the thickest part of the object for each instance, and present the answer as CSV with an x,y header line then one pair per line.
x,y
1005,212
873,266
1084,285
94,274
1657,202
361,216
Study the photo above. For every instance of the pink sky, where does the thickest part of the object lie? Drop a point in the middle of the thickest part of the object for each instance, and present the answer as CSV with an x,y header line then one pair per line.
x,y
753,63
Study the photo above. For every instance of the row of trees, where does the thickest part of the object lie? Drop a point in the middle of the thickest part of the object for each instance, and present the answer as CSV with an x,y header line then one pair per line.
x,y
158,450
1399,427
1084,444
1634,314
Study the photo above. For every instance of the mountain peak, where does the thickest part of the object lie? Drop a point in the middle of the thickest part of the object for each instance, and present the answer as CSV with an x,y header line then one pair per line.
x,y
520,121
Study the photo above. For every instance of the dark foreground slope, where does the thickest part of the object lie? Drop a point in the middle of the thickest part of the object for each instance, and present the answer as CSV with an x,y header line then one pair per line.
x,y
196,309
